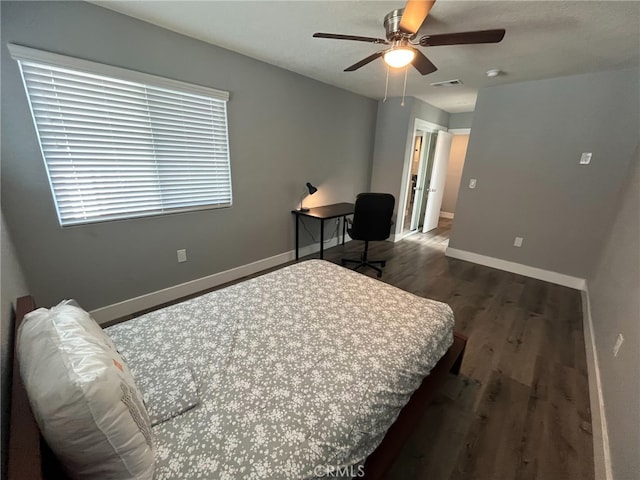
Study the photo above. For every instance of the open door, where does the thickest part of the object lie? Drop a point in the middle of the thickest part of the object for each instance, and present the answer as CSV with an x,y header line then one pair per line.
x,y
421,181
435,190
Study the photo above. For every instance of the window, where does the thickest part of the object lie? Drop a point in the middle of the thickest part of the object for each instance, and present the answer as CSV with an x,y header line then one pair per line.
x,y
122,144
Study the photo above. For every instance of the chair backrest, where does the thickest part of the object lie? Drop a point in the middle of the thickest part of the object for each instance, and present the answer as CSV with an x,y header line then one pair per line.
x,y
372,216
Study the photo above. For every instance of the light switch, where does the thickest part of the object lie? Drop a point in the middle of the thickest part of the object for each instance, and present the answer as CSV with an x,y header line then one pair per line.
x,y
616,347
585,159
472,183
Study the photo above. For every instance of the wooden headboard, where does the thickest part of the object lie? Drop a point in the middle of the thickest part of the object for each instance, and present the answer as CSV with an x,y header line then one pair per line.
x,y
29,456
25,456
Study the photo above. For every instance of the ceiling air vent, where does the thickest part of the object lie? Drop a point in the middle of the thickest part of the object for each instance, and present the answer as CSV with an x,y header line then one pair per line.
x,y
447,83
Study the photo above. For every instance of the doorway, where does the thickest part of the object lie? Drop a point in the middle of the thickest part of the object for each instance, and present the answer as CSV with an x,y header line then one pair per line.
x,y
419,180
425,173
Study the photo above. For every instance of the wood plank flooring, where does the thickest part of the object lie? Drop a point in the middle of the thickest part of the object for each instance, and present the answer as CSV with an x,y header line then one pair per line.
x,y
520,408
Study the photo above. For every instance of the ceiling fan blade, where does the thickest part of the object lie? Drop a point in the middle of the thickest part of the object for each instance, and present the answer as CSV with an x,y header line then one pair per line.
x,y
422,63
363,62
463,38
338,36
414,15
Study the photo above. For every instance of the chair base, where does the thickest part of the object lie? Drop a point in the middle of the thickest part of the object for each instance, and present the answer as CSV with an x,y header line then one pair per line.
x,y
365,263
364,260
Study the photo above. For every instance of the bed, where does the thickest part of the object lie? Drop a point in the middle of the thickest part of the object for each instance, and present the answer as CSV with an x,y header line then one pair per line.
x,y
299,371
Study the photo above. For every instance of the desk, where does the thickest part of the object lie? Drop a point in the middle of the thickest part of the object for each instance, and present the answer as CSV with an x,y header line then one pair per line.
x,y
326,212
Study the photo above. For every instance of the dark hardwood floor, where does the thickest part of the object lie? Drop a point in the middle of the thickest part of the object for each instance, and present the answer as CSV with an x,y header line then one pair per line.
x,y
520,407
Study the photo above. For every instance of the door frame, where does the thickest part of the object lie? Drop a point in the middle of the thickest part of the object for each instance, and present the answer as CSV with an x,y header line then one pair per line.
x,y
418,125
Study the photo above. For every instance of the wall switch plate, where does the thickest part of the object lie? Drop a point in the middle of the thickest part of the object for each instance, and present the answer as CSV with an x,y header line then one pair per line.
x,y
518,242
182,256
585,159
616,347
472,183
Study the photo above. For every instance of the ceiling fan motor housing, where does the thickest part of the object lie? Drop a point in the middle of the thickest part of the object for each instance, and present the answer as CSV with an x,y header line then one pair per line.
x,y
392,26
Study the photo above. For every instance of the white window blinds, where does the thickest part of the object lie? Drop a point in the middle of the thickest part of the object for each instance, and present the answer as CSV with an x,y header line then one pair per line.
x,y
118,148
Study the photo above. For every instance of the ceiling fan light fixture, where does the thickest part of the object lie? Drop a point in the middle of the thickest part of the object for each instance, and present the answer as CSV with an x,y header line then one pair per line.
x,y
399,57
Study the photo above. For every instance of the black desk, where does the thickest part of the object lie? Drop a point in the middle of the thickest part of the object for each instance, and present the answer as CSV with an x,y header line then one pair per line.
x,y
323,213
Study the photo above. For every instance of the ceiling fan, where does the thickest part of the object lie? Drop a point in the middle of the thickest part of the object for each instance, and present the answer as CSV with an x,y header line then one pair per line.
x,y
401,27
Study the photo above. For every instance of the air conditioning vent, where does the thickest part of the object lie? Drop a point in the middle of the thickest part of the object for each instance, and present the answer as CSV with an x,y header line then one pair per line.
x,y
447,83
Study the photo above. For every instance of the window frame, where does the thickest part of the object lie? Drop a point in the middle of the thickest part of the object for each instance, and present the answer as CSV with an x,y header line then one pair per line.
x,y
21,53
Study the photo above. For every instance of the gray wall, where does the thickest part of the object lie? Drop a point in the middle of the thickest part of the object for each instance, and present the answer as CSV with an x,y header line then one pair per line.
x,y
614,285
524,150
460,120
394,143
392,126
284,130
428,112
12,286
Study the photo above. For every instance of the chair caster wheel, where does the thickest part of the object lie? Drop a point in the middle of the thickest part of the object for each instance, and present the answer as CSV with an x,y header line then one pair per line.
x,y
384,264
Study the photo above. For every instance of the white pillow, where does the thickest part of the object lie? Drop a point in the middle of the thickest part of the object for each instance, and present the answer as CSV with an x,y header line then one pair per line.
x,y
83,396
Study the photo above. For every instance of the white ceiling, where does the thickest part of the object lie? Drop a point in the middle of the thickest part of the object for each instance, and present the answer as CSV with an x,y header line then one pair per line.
x,y
544,39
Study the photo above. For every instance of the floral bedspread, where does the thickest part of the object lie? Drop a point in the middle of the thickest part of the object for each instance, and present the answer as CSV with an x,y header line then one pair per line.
x,y
294,373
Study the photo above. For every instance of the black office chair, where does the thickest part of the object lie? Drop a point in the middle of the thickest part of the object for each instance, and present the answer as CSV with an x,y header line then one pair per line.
x,y
371,222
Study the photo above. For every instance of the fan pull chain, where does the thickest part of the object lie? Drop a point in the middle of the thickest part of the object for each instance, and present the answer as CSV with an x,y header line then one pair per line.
x,y
404,89
386,86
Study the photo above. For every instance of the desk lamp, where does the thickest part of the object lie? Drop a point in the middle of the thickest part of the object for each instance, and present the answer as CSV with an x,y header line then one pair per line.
x,y
312,190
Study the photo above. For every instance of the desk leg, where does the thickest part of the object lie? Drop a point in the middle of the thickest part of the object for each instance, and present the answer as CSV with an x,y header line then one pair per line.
x,y
297,234
321,239
344,228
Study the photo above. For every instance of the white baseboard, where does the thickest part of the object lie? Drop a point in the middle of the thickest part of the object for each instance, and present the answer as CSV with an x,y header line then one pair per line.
x,y
446,214
600,433
315,247
150,300
513,267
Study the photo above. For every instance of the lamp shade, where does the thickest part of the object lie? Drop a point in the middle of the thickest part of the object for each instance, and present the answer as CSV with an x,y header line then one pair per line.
x,y
311,188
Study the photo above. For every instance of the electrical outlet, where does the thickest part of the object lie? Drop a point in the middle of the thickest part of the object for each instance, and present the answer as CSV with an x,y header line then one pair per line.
x,y
616,347
472,183
182,255
518,242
